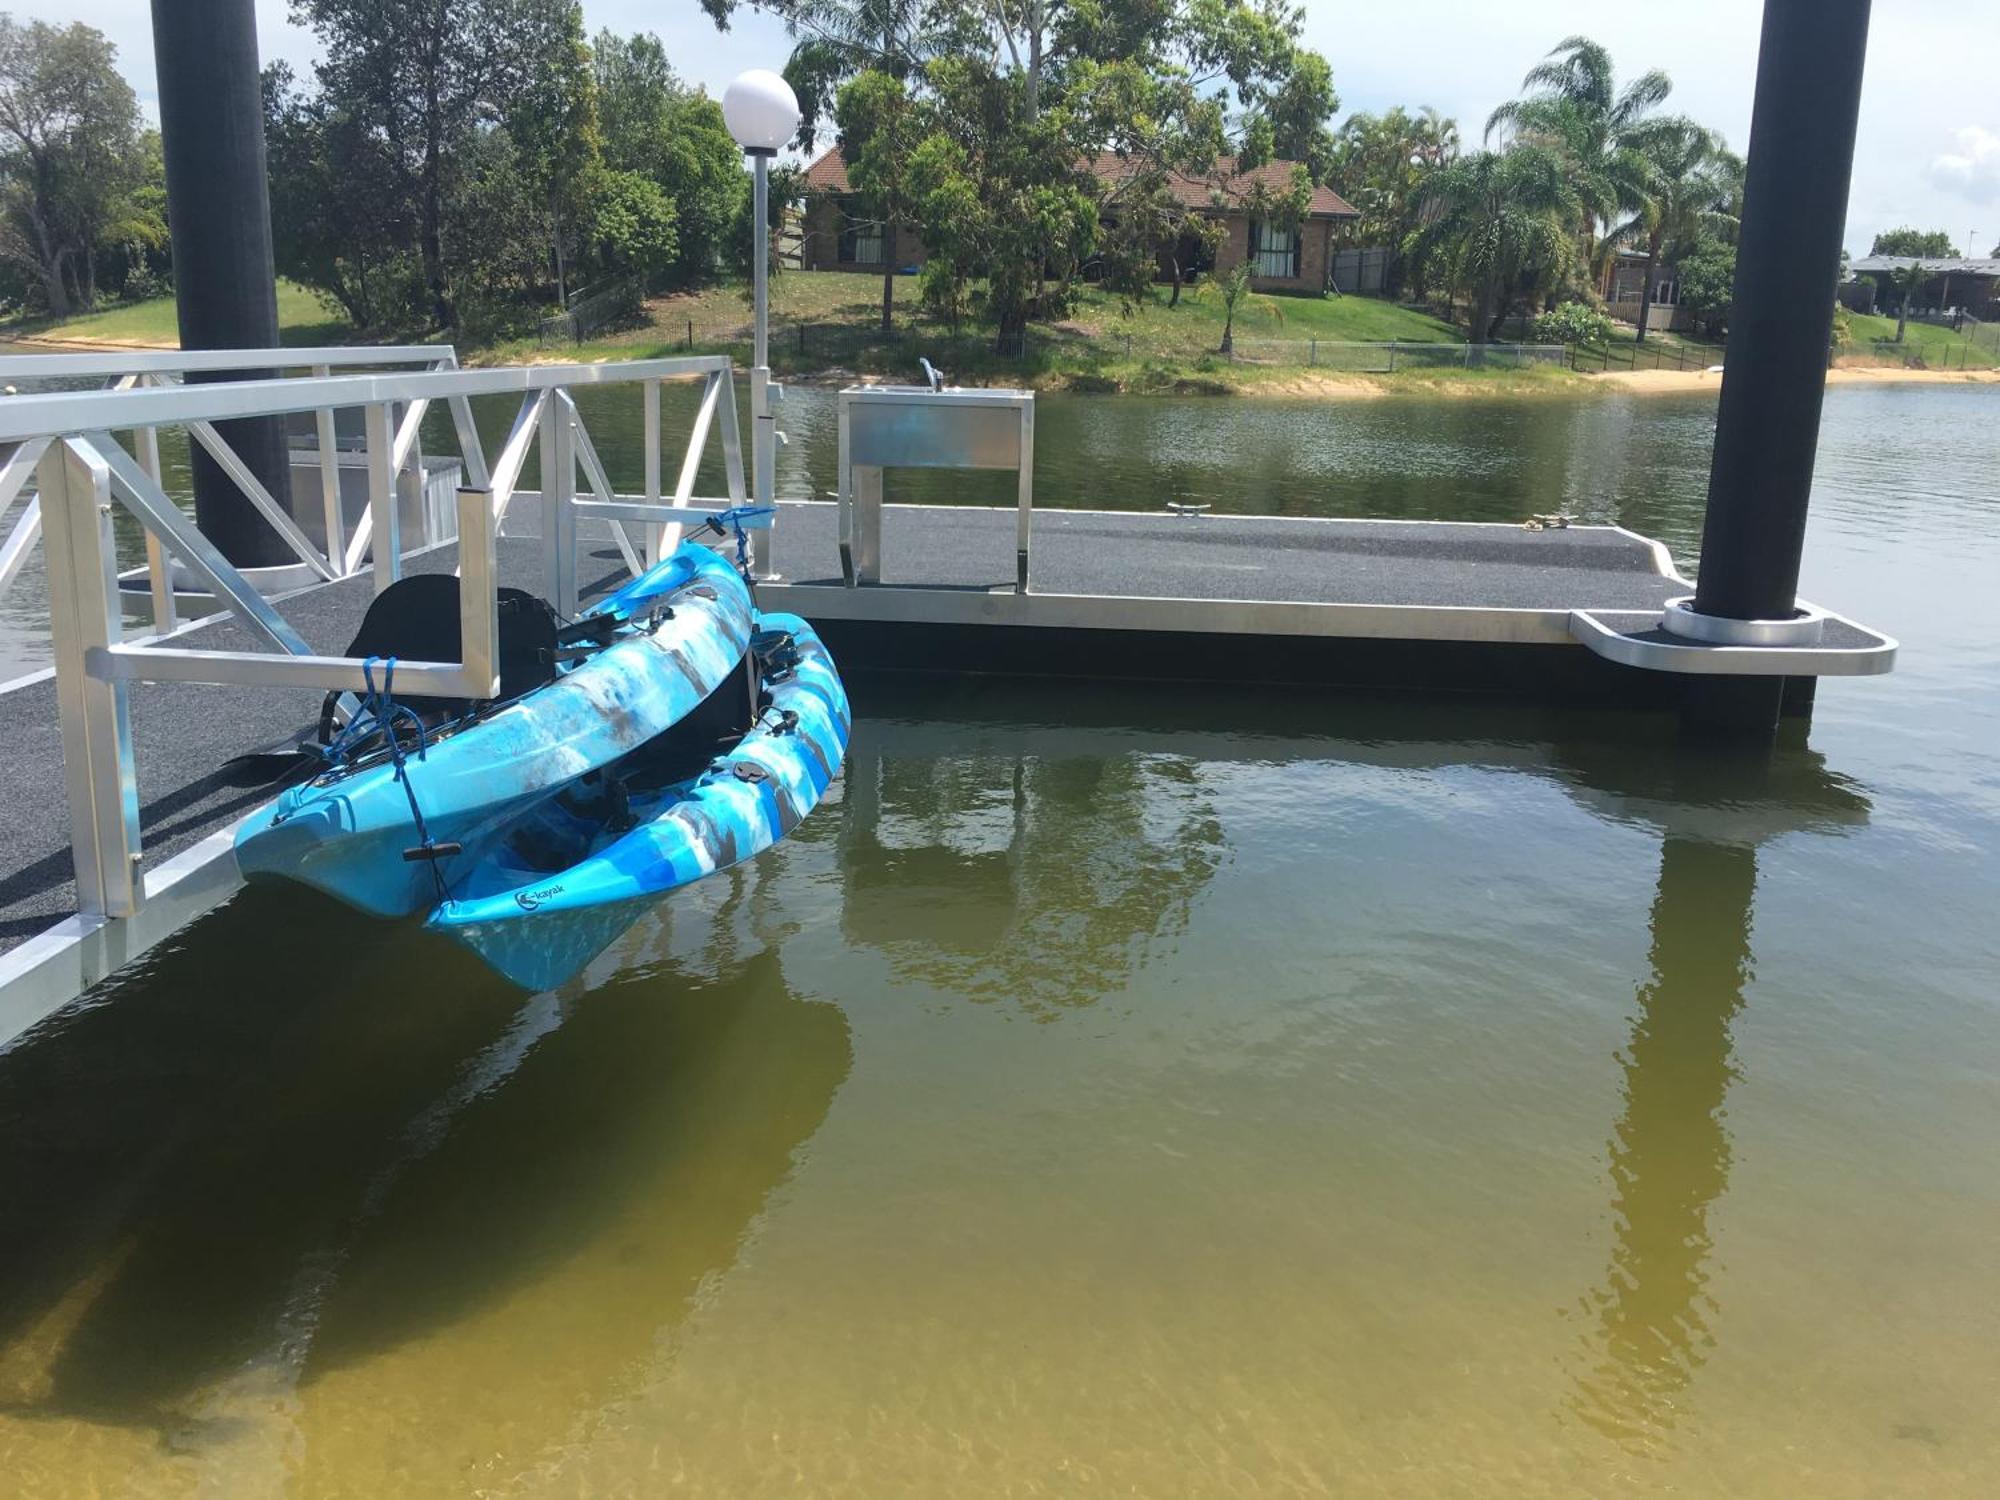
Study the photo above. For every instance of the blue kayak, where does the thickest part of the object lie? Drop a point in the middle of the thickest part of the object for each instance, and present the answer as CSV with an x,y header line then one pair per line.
x,y
667,642
573,873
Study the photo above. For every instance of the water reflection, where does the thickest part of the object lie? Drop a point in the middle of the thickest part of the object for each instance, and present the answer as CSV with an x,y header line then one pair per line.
x,y
1670,1148
981,863
1042,873
1654,1321
221,1193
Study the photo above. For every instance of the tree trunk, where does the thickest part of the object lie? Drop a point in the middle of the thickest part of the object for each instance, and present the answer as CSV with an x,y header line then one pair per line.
x,y
1228,350
1011,337
55,288
1646,287
1903,314
561,263
1482,314
1174,271
432,247
888,275
1034,18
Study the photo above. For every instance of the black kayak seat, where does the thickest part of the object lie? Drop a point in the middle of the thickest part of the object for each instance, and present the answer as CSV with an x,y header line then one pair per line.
x,y
416,619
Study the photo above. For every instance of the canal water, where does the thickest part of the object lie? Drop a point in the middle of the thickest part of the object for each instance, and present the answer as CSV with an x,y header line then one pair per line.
x,y
1124,1091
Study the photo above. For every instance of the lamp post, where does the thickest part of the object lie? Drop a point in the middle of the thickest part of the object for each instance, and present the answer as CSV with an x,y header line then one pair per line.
x,y
762,112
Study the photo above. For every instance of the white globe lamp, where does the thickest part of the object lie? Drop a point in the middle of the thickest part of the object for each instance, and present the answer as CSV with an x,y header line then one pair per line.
x,y
761,111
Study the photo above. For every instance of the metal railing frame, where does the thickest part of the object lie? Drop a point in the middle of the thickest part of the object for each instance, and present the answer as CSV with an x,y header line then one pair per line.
x,y
126,370
82,472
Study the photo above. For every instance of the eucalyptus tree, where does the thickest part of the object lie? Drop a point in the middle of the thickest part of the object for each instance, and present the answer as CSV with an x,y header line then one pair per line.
x,y
1025,101
653,125
433,80
72,157
1572,102
1688,193
1498,225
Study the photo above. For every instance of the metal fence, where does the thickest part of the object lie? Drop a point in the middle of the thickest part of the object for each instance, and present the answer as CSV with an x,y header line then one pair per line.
x,y
1359,358
1654,354
1363,271
594,311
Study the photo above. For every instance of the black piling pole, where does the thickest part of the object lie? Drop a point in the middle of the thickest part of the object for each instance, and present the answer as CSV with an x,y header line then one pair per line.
x,y
219,209
1774,374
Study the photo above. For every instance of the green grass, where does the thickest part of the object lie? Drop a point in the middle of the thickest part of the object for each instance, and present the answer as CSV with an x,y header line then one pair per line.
x,y
825,321
302,320
1872,336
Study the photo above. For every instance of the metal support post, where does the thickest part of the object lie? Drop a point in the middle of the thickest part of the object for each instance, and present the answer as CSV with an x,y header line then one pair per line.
x,y
1024,496
558,501
478,593
655,535
1802,131
385,525
82,558
159,562
333,518
763,421
219,208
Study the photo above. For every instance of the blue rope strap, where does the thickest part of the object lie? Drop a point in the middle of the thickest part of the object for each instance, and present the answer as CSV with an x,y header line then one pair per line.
x,y
380,713
733,519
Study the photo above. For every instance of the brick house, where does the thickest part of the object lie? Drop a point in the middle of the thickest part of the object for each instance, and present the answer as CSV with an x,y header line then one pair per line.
x,y
1625,286
838,238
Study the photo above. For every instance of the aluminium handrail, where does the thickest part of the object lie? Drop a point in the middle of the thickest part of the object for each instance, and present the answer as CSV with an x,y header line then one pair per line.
x,y
83,471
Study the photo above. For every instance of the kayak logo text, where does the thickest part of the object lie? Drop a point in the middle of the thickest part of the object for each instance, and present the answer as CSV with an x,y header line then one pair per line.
x,y
530,900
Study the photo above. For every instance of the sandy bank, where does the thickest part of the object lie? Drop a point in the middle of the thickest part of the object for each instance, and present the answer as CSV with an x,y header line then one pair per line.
x,y
1673,382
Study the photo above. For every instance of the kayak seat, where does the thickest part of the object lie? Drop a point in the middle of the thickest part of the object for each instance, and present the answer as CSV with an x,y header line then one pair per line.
x,y
416,619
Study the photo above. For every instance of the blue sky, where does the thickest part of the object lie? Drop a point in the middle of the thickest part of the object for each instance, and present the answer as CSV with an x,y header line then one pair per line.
x,y
1929,149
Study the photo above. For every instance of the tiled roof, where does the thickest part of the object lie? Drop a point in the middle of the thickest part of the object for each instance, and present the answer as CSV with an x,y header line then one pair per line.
x,y
1199,192
828,174
1936,265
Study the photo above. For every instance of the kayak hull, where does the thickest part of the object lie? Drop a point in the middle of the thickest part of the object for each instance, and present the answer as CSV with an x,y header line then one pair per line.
x,y
345,832
540,927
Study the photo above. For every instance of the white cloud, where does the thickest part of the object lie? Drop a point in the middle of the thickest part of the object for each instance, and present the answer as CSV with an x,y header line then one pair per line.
x,y
1973,170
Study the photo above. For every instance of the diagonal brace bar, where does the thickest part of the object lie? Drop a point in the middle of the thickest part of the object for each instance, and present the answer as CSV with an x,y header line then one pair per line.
x,y
135,490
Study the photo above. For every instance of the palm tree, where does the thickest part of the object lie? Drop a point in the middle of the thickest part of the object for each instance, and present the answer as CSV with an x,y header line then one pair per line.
x,y
1499,224
1572,103
1909,281
1233,288
1689,192
1382,163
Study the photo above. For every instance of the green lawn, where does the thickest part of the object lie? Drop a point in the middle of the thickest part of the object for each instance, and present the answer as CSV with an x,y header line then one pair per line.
x,y
824,320
1872,336
302,320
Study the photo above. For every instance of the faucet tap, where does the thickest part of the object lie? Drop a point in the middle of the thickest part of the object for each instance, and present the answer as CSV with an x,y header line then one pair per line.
x,y
932,373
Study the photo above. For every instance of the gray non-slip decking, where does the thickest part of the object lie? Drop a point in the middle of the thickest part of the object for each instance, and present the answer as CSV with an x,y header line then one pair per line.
x,y
1277,559
186,736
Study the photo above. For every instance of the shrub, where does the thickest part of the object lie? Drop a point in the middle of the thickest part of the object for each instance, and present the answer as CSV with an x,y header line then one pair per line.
x,y
142,283
1574,323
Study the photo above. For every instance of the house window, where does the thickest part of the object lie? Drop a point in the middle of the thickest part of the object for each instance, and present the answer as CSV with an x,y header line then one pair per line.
x,y
862,245
1274,250
1665,293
